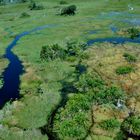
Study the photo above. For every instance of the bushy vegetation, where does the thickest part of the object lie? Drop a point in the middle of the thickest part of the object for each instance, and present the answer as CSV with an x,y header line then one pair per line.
x,y
133,32
73,121
69,10
55,51
110,124
74,48
124,70
34,6
132,125
109,95
24,15
88,82
129,57
52,52
63,2
1,83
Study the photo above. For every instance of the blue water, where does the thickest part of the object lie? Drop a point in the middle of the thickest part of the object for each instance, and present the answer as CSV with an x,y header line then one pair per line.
x,y
114,40
11,75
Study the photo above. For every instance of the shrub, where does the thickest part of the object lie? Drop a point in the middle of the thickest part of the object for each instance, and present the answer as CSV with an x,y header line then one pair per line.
x,y
34,6
132,125
63,2
88,82
110,124
129,57
51,52
133,32
109,95
70,10
124,70
73,121
24,15
74,49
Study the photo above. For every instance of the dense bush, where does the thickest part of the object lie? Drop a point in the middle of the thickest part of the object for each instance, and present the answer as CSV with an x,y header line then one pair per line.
x,y
124,70
70,10
51,52
111,124
88,82
109,95
133,32
34,6
132,125
70,53
129,57
63,2
24,15
73,121
75,49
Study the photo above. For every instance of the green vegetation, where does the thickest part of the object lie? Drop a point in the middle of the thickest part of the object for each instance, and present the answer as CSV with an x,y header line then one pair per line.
x,y
34,6
73,121
1,83
52,52
132,125
110,124
63,2
70,10
24,15
129,57
89,82
133,32
109,95
124,70
74,85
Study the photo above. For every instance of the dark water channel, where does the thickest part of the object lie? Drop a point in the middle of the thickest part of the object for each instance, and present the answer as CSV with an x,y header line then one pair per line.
x,y
11,75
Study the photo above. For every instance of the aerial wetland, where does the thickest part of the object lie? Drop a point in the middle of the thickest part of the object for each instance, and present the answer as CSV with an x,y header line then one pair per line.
x,y
69,70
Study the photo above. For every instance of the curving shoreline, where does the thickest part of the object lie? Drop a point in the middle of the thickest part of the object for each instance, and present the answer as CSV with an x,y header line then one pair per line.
x,y
11,75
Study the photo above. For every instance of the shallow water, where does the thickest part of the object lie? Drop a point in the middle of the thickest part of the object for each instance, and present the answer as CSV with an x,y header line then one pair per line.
x,y
11,75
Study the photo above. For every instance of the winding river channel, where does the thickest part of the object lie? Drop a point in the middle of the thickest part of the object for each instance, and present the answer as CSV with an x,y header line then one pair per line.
x,y
11,75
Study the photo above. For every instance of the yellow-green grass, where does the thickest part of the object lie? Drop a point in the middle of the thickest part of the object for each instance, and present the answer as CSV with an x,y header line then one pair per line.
x,y
106,58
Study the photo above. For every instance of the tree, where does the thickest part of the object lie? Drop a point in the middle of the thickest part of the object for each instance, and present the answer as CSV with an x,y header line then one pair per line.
x,y
70,10
132,125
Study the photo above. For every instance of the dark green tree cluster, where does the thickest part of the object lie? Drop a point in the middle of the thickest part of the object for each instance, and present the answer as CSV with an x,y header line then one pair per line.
x,y
34,6
51,52
133,32
73,121
132,125
63,2
69,10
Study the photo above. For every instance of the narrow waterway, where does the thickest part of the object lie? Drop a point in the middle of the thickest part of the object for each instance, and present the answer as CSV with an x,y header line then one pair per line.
x,y
11,75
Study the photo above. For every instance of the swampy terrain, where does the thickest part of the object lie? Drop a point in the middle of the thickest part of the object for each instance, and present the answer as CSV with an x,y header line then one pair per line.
x,y
70,70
